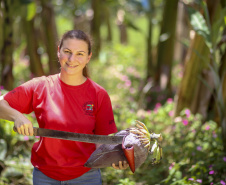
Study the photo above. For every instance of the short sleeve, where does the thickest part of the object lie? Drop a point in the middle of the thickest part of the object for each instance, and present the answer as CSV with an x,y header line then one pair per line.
x,y
105,123
21,97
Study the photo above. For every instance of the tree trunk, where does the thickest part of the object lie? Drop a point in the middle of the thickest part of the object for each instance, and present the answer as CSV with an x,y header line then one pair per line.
x,y
107,17
223,74
188,91
201,100
6,57
166,45
1,26
193,93
50,32
182,32
32,47
214,9
122,27
223,78
95,26
80,20
150,64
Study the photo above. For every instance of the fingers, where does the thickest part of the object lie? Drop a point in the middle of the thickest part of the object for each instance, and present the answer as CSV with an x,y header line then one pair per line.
x,y
125,164
25,129
122,165
114,166
20,130
31,130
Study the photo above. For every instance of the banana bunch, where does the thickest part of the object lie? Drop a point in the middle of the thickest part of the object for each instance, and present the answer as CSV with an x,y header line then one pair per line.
x,y
141,132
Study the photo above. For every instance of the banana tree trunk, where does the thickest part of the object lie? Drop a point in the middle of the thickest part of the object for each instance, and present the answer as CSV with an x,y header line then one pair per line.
x,y
166,45
150,63
223,79
50,32
196,60
215,8
1,26
6,57
32,46
223,76
204,93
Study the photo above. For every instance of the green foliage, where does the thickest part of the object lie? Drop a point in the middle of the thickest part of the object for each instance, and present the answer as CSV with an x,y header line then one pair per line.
x,y
192,149
31,11
126,181
199,24
211,32
24,9
15,156
118,71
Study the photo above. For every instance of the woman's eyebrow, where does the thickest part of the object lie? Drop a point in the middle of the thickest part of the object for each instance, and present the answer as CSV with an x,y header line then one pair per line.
x,y
67,49
77,51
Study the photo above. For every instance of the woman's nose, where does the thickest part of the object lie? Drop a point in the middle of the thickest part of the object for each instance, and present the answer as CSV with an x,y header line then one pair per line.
x,y
72,58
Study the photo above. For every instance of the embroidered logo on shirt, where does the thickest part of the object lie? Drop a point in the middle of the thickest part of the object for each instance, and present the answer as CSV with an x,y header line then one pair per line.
x,y
89,108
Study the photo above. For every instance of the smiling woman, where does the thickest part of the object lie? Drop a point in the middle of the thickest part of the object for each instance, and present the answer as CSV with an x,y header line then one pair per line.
x,y
69,101
73,58
74,53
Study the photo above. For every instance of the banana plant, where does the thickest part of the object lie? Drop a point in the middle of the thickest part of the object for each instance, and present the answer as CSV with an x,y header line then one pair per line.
x,y
212,32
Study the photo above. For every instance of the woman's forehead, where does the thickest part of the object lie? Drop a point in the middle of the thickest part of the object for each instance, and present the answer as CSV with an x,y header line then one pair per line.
x,y
74,44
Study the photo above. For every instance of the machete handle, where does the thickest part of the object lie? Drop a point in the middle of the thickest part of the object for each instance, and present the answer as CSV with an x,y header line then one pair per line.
x,y
34,130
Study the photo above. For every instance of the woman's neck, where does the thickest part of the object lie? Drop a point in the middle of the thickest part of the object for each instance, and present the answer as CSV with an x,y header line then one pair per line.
x,y
72,80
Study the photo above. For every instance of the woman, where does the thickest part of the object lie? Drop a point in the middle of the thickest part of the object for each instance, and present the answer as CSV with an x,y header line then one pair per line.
x,y
68,101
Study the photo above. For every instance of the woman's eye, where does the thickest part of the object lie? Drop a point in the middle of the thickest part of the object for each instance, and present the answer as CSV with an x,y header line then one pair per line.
x,y
80,53
66,51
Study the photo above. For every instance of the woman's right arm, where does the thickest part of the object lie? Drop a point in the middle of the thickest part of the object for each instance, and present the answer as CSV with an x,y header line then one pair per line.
x,y
21,123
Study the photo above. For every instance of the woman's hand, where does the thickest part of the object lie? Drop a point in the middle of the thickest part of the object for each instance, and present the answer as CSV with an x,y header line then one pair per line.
x,y
23,126
122,165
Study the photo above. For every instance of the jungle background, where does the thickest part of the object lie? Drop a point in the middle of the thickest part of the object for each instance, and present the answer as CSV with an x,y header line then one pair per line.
x,y
163,62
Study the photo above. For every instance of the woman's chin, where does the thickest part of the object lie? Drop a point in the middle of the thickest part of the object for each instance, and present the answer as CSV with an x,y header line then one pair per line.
x,y
69,72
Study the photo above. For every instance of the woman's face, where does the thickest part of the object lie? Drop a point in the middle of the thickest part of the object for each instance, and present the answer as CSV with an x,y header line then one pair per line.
x,y
73,56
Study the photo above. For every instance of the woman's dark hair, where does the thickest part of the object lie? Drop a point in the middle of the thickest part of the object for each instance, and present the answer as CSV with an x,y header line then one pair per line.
x,y
78,34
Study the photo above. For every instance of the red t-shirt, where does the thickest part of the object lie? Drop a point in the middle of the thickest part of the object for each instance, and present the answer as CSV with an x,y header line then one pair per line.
x,y
85,108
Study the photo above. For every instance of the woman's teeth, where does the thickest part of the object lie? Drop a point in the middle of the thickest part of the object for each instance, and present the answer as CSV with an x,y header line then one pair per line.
x,y
71,65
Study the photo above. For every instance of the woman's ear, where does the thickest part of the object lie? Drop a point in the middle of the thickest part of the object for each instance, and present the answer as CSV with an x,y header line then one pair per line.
x,y
58,52
89,57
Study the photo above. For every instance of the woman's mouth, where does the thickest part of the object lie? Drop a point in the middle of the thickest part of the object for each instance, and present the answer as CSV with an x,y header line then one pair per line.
x,y
71,66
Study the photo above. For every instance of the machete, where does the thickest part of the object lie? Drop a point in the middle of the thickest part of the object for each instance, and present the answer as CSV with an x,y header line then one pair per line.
x,y
88,138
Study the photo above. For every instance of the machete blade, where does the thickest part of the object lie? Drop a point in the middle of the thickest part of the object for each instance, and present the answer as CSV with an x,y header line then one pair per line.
x,y
88,138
